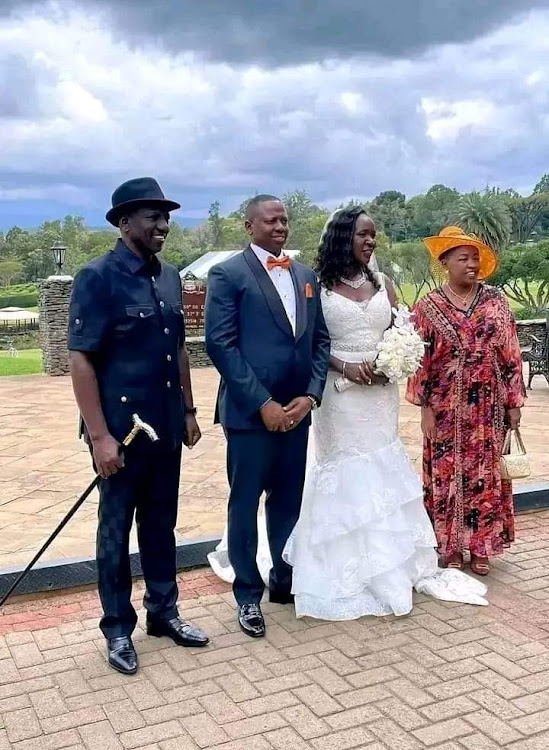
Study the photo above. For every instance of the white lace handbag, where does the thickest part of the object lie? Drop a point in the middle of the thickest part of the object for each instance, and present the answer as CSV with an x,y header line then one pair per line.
x,y
514,465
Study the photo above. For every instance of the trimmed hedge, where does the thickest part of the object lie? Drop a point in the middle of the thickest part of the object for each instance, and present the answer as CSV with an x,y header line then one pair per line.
x,y
19,295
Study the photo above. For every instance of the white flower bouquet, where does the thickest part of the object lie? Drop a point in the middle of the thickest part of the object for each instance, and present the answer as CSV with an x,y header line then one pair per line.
x,y
399,353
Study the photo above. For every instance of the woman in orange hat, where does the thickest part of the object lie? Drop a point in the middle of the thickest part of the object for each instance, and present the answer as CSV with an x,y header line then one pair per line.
x,y
470,389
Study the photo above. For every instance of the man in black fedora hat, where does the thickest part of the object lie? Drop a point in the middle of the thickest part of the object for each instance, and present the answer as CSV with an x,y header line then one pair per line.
x,y
127,355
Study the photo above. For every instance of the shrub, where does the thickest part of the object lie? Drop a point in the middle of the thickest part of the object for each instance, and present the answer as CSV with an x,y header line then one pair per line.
x,y
19,295
527,313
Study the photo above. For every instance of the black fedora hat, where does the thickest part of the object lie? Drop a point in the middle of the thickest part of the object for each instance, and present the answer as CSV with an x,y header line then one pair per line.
x,y
142,191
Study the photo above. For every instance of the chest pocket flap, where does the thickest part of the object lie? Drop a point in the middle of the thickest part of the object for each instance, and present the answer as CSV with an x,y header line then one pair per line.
x,y
139,311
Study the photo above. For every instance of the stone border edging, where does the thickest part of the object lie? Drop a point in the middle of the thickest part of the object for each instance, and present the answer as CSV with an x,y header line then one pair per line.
x,y
62,574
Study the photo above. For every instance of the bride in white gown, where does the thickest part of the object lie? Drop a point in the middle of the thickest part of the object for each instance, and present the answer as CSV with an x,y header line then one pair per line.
x,y
363,541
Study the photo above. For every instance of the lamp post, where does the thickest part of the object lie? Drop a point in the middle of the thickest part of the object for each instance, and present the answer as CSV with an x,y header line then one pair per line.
x,y
59,251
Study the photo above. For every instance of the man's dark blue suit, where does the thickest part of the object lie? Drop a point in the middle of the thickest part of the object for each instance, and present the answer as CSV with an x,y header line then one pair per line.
x,y
251,342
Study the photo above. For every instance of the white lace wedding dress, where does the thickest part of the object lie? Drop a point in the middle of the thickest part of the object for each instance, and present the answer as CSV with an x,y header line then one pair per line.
x,y
363,541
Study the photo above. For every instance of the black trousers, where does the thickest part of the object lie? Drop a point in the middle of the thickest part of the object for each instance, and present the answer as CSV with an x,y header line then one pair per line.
x,y
257,462
148,488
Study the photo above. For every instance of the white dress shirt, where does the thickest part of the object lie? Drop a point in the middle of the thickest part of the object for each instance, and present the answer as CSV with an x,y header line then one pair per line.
x,y
282,281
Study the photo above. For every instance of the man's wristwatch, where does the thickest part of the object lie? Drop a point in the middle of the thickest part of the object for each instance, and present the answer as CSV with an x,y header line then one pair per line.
x,y
190,410
314,402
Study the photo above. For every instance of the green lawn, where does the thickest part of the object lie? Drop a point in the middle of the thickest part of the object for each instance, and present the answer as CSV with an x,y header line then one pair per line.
x,y
27,362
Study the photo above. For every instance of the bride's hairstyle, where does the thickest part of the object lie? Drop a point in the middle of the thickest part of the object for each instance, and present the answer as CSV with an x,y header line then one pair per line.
x,y
335,251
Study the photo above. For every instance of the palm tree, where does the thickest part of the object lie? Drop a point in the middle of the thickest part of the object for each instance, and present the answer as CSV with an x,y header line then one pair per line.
x,y
487,216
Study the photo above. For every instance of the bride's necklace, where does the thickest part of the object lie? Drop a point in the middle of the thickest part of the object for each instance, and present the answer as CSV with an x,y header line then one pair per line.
x,y
355,283
464,300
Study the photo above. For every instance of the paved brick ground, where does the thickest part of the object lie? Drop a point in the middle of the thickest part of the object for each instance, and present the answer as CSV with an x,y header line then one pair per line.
x,y
448,677
43,466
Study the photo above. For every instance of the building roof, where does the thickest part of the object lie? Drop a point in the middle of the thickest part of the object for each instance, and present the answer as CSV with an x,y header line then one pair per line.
x,y
200,267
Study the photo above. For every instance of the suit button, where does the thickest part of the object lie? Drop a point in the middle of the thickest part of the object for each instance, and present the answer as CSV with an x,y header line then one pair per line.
x,y
169,384
161,303
123,399
169,357
77,321
141,314
166,331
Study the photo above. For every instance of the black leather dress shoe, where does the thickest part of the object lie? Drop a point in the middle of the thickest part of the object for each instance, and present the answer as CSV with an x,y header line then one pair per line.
x,y
121,654
251,620
281,597
180,632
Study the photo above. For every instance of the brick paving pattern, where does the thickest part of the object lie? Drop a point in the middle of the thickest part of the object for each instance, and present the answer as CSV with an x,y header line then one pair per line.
x,y
43,465
447,677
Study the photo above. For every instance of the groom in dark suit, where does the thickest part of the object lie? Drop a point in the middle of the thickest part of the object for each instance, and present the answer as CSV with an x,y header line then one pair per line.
x,y
266,335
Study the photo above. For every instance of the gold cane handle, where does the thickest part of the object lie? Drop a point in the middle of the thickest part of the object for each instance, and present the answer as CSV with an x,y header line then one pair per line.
x,y
139,426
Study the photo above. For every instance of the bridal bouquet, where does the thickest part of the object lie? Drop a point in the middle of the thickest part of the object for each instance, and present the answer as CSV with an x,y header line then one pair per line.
x,y
399,353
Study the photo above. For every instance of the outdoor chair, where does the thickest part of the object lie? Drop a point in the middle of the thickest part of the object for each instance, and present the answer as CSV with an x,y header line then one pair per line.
x,y
538,356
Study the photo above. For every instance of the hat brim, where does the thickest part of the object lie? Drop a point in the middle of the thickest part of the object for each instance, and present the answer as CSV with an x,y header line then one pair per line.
x,y
438,245
113,216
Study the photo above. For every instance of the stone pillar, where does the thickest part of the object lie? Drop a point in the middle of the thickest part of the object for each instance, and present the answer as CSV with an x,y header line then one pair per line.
x,y
54,300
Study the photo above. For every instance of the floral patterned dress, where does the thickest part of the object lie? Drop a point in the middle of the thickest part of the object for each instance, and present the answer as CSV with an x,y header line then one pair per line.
x,y
471,372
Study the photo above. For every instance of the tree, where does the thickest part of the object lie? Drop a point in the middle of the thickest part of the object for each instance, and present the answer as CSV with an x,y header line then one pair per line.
x,y
184,245
432,211
240,212
38,264
408,265
235,236
523,274
487,216
388,210
215,222
305,235
17,243
299,205
10,270
543,187
526,214
543,184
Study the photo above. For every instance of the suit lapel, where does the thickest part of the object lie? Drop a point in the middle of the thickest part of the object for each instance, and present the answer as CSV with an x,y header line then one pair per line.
x,y
271,295
300,302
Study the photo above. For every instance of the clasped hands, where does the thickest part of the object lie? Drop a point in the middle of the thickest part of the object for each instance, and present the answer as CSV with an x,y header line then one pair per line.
x,y
278,418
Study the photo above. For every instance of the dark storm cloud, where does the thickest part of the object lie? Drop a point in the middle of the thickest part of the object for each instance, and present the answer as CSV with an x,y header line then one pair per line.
x,y
87,101
289,32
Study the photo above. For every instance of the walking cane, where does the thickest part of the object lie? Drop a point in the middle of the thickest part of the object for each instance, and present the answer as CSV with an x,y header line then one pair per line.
x,y
138,426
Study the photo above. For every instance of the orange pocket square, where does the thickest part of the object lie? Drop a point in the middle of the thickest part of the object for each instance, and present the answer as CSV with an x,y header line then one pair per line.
x,y
309,291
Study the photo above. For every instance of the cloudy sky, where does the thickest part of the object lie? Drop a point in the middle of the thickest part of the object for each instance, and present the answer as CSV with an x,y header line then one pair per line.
x,y
343,98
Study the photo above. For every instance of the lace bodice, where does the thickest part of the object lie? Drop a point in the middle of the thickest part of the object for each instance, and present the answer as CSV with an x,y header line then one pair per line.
x,y
356,327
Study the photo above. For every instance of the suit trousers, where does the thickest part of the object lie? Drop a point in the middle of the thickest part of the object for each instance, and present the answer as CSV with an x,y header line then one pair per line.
x,y
147,487
272,462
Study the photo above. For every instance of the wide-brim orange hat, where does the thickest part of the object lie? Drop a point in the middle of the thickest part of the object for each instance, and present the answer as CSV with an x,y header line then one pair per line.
x,y
451,237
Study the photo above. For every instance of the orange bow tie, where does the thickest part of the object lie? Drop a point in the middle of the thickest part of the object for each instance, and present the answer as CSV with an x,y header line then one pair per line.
x,y
283,262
